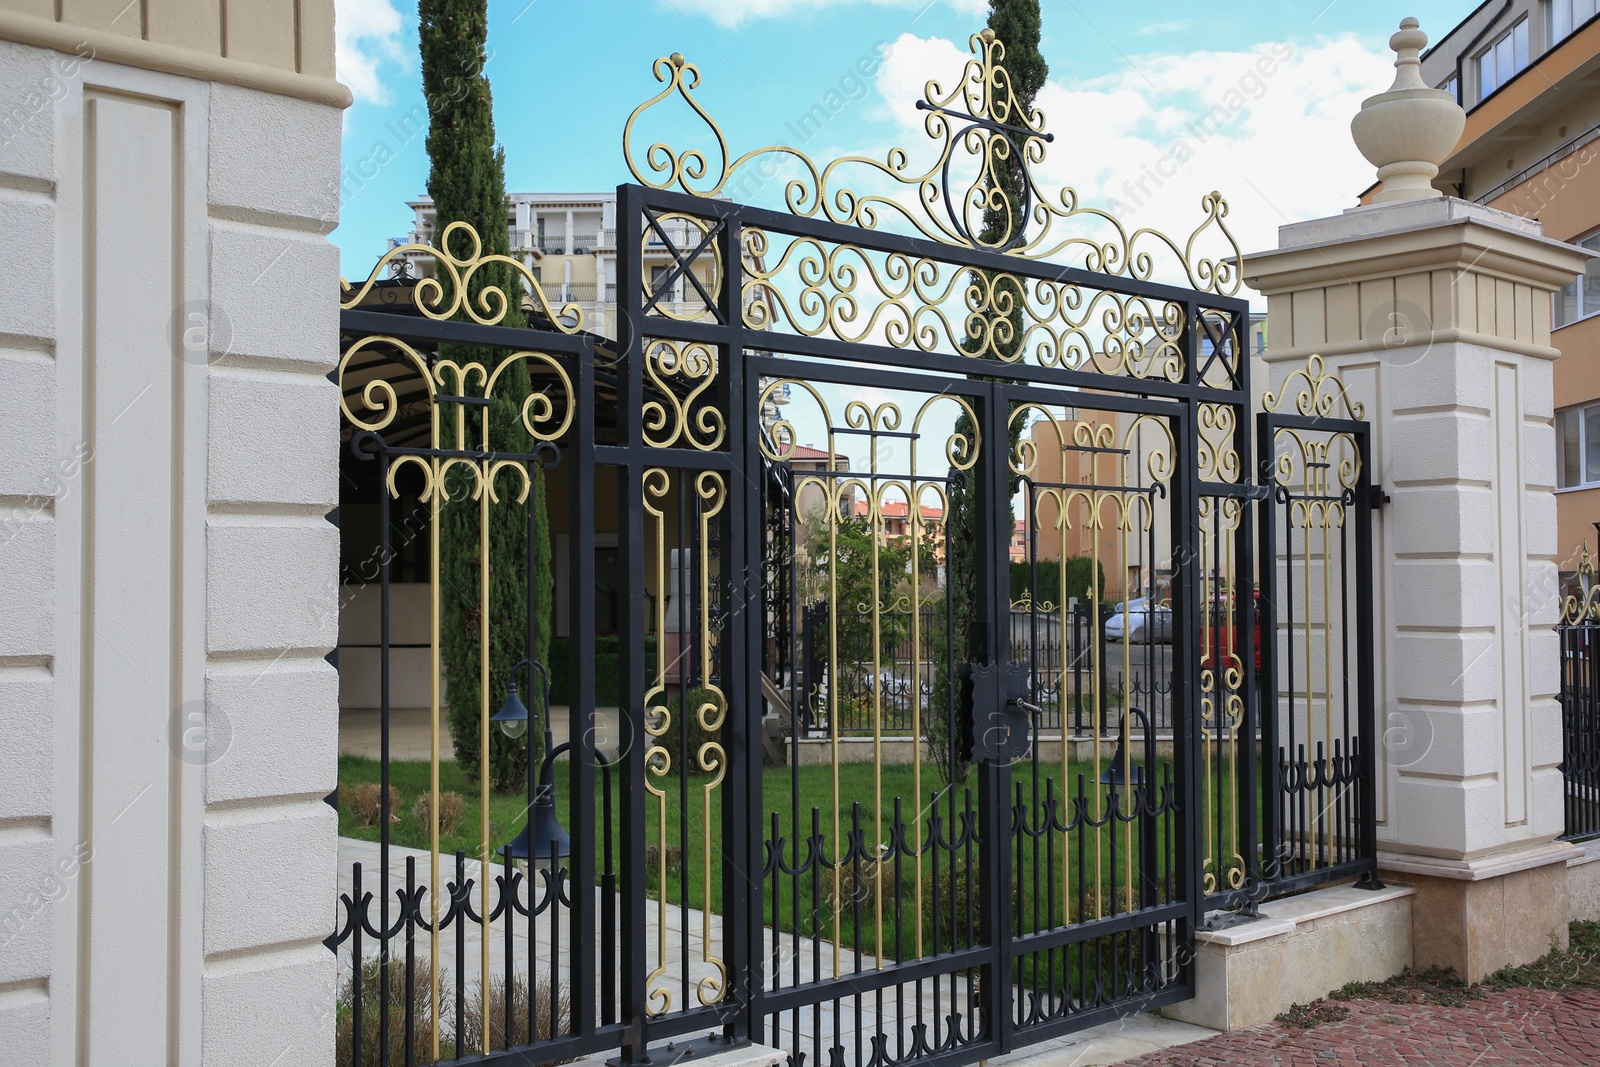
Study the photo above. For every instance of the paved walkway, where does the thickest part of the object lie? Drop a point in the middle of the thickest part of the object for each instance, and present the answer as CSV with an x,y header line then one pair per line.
x,y
1518,1028
361,732
1108,1043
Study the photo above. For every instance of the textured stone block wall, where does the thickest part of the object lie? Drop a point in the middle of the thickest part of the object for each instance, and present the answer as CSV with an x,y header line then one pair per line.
x,y
168,573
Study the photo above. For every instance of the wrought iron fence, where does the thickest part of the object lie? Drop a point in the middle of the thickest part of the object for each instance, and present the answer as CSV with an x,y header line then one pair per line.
x,y
1580,714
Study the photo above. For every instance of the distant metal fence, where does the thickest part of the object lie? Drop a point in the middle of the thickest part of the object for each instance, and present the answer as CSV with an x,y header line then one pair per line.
x,y
879,692
1580,716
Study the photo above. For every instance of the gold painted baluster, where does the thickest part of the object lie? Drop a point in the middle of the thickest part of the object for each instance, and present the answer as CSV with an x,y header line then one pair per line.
x,y
713,493
657,484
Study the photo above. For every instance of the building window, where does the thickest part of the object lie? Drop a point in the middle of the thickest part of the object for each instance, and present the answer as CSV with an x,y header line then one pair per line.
x,y
1452,86
1581,297
1564,16
1578,451
658,278
1503,59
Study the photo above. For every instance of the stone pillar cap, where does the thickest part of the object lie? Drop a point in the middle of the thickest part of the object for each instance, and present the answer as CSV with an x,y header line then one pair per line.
x,y
1409,130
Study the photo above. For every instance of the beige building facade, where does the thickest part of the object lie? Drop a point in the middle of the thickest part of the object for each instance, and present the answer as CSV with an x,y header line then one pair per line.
x,y
1059,462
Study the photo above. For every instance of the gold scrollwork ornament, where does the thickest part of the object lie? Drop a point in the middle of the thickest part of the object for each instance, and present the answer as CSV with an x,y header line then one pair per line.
x,y
436,300
978,117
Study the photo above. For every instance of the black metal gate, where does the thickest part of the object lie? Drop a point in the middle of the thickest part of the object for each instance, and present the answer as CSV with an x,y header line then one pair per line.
x,y
961,669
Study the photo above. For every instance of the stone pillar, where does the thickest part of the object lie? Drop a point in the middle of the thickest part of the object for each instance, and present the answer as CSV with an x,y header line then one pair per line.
x,y
168,457
1436,314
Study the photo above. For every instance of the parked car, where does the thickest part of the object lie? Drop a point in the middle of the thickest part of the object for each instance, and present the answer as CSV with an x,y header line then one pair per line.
x,y
1222,635
1133,619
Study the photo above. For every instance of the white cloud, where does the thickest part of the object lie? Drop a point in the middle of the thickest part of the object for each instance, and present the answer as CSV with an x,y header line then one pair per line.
x,y
1269,128
1155,29
366,38
732,13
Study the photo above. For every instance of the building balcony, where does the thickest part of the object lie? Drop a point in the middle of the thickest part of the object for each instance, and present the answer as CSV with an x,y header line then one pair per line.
x,y
569,292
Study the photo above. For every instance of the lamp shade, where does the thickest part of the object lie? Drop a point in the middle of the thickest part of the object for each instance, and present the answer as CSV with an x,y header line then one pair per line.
x,y
1112,775
512,717
543,835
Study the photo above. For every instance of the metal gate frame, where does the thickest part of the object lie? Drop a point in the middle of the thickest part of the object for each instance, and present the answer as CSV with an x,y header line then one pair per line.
x,y
1321,447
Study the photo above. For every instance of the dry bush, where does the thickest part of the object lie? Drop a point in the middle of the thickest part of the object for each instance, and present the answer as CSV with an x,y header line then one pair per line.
x,y
364,803
471,1015
859,885
452,807
372,1041
652,860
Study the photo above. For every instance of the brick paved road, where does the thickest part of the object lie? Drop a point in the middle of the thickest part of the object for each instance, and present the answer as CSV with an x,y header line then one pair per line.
x,y
1520,1028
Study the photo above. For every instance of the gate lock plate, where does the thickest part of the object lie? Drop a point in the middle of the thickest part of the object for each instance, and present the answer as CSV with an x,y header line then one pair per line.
x,y
998,715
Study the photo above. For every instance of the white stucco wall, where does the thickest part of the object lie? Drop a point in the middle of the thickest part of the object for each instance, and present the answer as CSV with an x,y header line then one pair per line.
x,y
168,579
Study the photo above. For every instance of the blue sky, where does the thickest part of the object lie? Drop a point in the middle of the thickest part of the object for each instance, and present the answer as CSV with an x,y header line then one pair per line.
x,y
1127,84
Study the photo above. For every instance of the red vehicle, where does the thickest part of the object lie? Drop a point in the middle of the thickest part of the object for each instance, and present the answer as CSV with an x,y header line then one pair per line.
x,y
1220,636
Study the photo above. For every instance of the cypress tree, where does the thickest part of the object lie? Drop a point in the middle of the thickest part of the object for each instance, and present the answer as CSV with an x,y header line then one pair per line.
x,y
467,183
1016,24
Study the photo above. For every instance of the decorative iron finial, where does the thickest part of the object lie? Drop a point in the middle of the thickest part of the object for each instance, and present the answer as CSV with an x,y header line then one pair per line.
x,y
1409,130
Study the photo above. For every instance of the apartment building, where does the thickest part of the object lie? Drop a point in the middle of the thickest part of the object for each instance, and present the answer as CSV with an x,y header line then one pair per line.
x,y
1527,72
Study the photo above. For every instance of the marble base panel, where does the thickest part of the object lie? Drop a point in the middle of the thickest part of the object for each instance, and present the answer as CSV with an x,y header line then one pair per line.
x,y
1301,948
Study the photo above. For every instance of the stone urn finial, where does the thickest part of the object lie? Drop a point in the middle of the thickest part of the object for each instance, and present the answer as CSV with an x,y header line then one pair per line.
x,y
1409,130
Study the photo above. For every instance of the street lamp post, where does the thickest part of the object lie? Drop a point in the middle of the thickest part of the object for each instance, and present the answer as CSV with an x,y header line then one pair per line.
x,y
543,838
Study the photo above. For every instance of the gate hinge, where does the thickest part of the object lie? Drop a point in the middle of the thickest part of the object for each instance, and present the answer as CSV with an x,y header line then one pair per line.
x,y
1378,498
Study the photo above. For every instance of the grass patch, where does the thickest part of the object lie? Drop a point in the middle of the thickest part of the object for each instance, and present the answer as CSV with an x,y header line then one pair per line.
x,y
410,780
1576,968
1310,1016
1437,986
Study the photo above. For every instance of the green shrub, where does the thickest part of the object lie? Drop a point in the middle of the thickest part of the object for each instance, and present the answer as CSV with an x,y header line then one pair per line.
x,y
1080,574
959,924
607,670
1046,588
